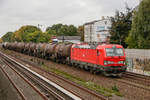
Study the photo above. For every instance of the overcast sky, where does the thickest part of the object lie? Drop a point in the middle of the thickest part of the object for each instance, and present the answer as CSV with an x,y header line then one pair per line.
x,y
15,13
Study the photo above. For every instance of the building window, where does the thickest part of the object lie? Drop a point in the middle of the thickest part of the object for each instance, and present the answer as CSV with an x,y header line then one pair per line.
x,y
100,28
105,22
108,27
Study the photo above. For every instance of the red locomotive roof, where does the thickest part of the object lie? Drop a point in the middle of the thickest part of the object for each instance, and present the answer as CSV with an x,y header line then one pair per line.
x,y
95,46
109,46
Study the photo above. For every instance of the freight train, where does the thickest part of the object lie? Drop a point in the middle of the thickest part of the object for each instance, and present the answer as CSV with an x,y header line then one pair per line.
x,y
105,58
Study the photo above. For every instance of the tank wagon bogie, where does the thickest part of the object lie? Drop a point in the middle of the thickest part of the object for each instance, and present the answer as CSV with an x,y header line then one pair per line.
x,y
105,58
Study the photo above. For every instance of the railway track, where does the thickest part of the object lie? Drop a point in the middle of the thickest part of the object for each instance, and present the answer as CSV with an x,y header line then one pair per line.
x,y
136,80
129,79
23,89
95,94
48,90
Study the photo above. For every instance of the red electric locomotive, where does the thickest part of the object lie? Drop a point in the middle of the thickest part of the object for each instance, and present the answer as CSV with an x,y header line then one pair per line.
x,y
106,58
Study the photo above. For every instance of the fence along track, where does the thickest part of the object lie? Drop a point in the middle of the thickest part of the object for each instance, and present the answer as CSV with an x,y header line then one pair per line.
x,y
72,96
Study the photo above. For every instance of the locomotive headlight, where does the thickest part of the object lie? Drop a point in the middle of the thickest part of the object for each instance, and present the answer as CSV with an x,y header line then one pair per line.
x,y
105,62
108,62
120,62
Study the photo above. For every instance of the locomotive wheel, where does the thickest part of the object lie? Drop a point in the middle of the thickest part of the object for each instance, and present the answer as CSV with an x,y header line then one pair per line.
x,y
95,72
86,67
119,75
105,74
54,60
91,71
81,66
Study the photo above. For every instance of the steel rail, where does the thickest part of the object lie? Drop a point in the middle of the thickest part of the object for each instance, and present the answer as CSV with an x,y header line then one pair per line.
x,y
20,93
17,63
94,93
76,85
138,77
43,85
28,82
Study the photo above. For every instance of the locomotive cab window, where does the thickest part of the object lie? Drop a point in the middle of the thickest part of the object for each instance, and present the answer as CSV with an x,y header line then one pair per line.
x,y
114,52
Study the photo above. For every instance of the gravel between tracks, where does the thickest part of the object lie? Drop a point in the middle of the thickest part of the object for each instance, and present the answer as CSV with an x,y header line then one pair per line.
x,y
62,83
7,91
130,92
28,92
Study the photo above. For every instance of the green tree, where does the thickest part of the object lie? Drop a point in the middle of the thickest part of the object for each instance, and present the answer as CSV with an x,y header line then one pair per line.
x,y
55,27
37,37
54,30
1,40
139,36
60,29
51,32
7,37
72,30
21,34
45,37
121,25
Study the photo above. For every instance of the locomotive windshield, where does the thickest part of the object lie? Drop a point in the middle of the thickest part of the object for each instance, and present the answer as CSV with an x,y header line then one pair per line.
x,y
114,52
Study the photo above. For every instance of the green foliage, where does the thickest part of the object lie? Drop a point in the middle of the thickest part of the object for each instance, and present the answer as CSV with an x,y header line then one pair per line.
x,y
37,37
27,34
139,36
1,40
60,29
121,25
55,27
115,88
21,34
7,37
81,32
31,33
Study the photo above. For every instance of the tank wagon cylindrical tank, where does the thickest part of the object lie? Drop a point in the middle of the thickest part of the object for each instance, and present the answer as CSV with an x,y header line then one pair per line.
x,y
32,47
62,51
26,48
38,51
14,46
20,47
66,50
42,49
6,45
49,50
17,47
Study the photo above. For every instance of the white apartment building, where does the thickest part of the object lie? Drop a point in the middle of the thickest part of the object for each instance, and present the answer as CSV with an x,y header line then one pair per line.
x,y
97,31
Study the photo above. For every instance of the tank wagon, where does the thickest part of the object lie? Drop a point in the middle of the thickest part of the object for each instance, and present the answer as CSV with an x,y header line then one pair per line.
x,y
106,58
